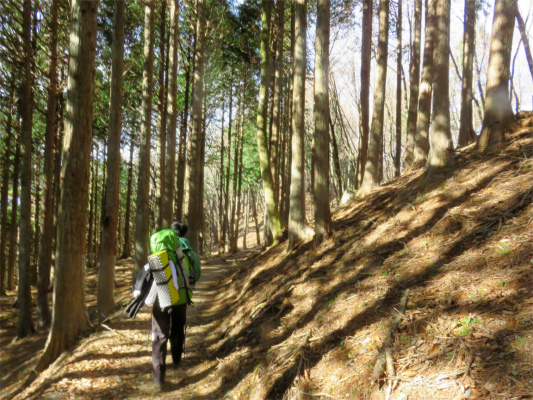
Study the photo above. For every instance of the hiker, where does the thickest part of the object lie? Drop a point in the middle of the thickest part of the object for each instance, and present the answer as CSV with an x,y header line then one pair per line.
x,y
169,295
195,268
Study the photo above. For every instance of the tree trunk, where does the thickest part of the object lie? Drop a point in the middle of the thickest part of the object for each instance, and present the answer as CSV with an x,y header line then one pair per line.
x,y
254,211
127,242
262,108
426,86
366,53
14,222
525,40
498,111
70,317
297,219
182,158
36,236
5,188
336,161
108,250
239,187
398,153
45,252
162,111
246,220
231,230
142,218
323,225
441,145
25,322
371,174
172,115
466,129
222,236
225,225
413,87
196,136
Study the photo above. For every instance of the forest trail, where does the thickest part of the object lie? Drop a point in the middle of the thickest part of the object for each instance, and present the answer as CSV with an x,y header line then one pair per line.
x,y
310,323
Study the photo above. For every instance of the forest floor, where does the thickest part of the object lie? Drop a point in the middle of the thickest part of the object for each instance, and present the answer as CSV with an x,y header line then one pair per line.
x,y
309,324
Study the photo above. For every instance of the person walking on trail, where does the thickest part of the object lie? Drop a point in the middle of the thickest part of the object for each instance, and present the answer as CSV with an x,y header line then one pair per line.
x,y
168,322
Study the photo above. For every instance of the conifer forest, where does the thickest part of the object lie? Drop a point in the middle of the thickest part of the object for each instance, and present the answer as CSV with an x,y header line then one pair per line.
x,y
285,134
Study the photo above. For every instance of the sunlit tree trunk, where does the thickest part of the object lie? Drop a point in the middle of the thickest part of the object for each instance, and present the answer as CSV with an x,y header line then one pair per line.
x,y
413,87
25,322
262,108
246,220
297,219
371,174
366,53
498,111
108,250
142,221
222,235
466,129
426,87
398,152
127,242
225,216
196,135
323,224
441,145
70,317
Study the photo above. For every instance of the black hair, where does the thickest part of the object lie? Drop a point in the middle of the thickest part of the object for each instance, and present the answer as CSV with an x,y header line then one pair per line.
x,y
180,228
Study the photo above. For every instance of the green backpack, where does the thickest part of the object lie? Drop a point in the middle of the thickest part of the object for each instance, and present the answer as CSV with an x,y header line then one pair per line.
x,y
165,246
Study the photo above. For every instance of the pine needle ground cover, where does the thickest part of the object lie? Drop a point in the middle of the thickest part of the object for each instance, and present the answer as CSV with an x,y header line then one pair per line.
x,y
311,323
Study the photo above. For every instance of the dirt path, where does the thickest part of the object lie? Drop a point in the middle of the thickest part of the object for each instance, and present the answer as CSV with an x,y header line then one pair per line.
x,y
115,361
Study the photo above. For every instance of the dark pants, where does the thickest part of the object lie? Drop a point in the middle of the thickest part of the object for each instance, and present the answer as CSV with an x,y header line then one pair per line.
x,y
167,324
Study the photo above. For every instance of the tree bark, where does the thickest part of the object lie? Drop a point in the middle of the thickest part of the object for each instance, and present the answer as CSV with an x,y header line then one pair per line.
x,y
371,174
466,129
262,108
246,220
323,225
297,218
70,317
413,87
142,222
162,110
196,136
398,153
36,235
171,115
441,145
108,250
25,322
127,242
14,223
254,212
498,111
426,87
336,161
225,225
222,235
366,53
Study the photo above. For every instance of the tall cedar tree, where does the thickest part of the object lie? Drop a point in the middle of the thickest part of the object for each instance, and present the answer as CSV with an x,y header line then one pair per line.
x,y
426,88
413,86
196,137
162,110
466,129
441,145
70,317
167,204
272,213
297,220
25,322
366,53
45,251
142,220
498,111
398,153
106,272
374,158
321,144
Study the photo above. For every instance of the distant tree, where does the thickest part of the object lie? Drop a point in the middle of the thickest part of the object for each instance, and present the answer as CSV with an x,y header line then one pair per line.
x,y
321,115
106,272
498,111
69,311
525,40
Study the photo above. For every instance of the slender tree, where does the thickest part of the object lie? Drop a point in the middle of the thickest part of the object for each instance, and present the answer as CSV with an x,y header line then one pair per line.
x,y
371,175
525,40
498,111
162,110
466,129
398,152
25,322
272,213
323,225
127,242
69,313
142,226
297,219
441,145
106,272
413,86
